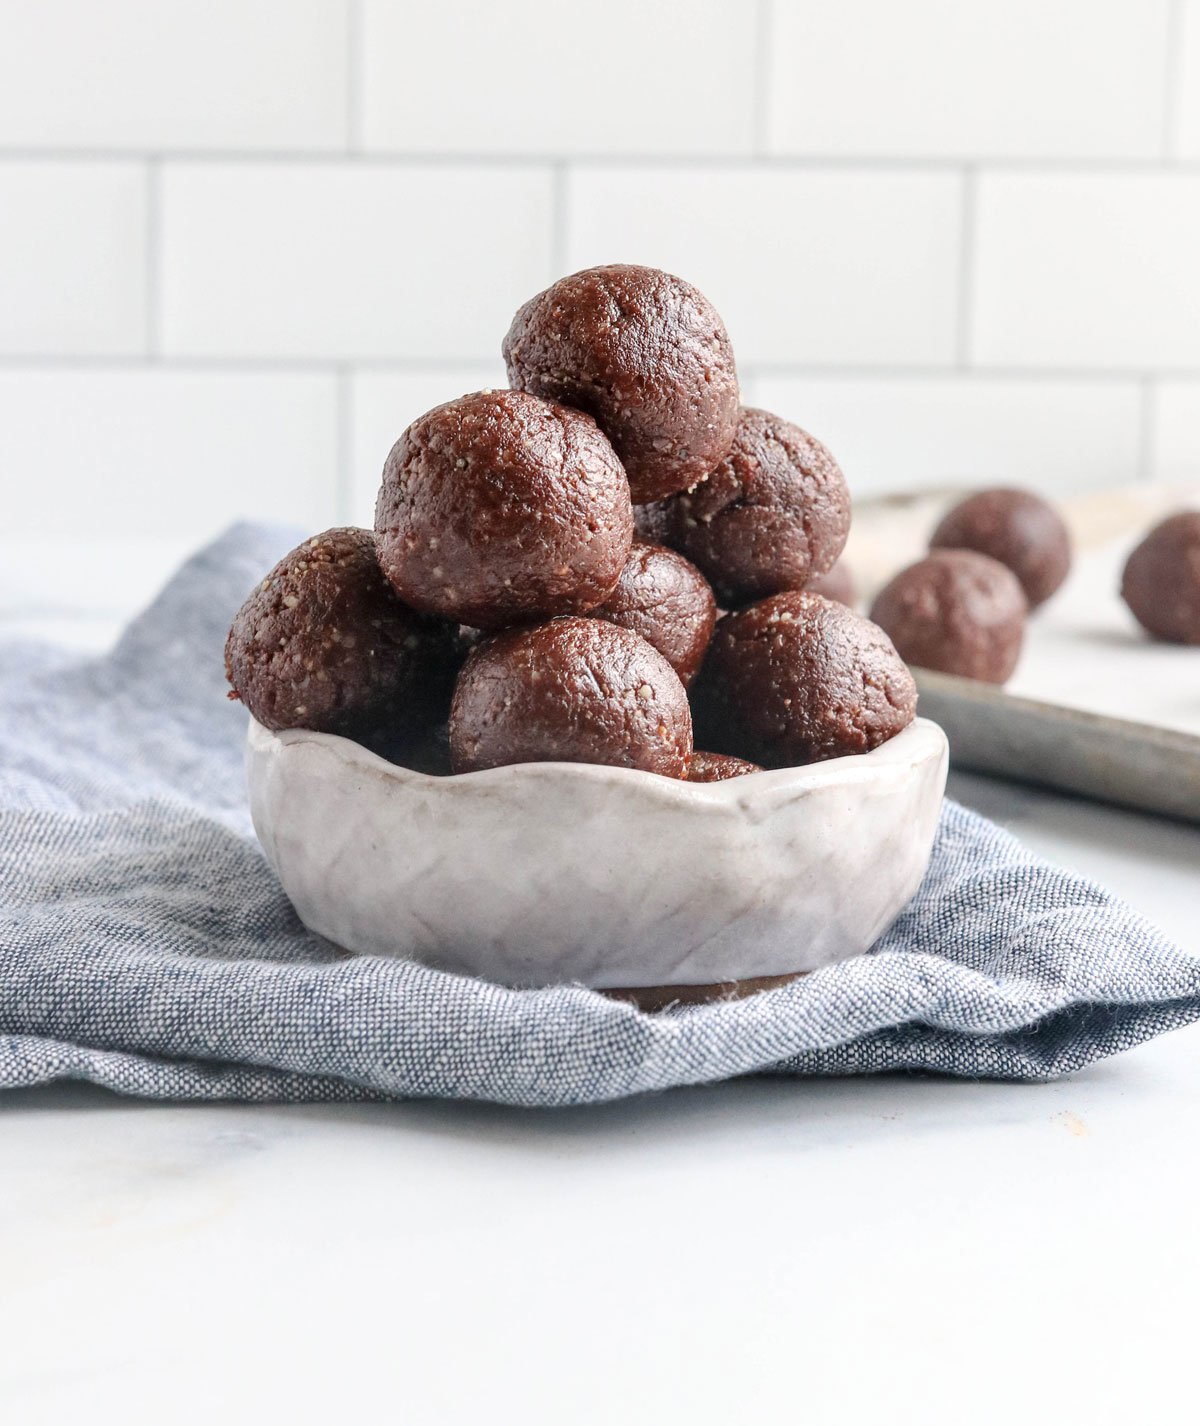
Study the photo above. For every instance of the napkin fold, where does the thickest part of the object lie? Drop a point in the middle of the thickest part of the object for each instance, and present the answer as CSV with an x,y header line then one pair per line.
x,y
145,943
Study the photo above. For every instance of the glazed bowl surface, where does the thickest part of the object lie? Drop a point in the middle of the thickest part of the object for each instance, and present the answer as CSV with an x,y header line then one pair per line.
x,y
551,873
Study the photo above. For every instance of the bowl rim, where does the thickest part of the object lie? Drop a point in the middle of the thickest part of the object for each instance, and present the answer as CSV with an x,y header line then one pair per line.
x,y
919,741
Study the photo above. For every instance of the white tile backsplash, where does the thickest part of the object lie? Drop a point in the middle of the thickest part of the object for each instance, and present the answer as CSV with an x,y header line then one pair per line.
x,y
632,76
321,260
173,74
795,259
1092,270
72,258
974,80
244,242
905,433
139,453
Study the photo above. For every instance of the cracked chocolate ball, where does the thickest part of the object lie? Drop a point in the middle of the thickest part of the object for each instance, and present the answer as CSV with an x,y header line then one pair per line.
x,y
643,352
325,643
571,690
1019,529
500,508
956,611
771,516
666,600
797,678
1161,580
718,767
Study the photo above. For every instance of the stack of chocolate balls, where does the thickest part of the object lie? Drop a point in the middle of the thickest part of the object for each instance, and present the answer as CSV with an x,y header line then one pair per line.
x,y
547,563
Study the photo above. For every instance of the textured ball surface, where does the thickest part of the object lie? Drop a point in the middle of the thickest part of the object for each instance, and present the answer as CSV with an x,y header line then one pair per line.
x,y
1016,527
643,352
570,690
797,678
666,600
500,508
955,611
718,767
1161,581
771,516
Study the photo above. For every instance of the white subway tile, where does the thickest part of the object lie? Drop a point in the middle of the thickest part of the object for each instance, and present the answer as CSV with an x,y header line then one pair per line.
x,y
1025,78
1176,433
909,433
538,76
383,403
816,266
141,452
1087,270
72,258
234,74
326,260
1187,80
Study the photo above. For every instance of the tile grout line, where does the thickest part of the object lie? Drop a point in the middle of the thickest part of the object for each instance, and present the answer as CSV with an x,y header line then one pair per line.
x,y
1171,82
344,474
966,267
355,61
763,24
153,276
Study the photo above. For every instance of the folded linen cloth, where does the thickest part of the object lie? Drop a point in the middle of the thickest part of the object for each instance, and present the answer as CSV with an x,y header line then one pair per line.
x,y
145,943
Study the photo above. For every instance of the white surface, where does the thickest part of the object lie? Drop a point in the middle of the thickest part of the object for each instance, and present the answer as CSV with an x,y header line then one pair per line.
x,y
792,259
674,76
72,257
1188,118
1087,270
1176,425
328,261
180,74
910,1250
1023,79
553,873
904,433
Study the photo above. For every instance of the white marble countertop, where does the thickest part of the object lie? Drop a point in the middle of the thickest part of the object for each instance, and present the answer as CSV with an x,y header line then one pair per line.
x,y
768,1250
923,1250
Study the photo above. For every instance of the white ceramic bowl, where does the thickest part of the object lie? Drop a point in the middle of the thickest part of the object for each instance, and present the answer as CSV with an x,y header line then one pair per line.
x,y
545,873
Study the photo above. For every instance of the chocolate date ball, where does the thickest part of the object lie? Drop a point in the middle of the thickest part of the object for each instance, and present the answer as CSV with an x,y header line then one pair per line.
x,y
663,597
1019,529
771,516
650,522
1161,581
571,690
798,678
500,508
956,611
324,643
647,356
836,583
718,767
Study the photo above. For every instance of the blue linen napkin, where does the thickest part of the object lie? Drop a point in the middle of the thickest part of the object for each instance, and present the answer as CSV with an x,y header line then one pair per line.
x,y
146,945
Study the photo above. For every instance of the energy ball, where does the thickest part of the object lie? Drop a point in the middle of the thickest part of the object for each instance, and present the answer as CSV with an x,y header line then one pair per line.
x,y
650,522
718,767
500,508
1019,529
836,583
324,643
571,690
771,516
956,611
647,356
798,678
1161,582
668,601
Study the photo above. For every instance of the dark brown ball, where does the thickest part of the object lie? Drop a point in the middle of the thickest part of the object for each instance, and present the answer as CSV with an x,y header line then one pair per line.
x,y
718,767
836,583
1161,582
955,611
771,516
650,522
666,599
324,643
798,678
647,356
500,508
571,690
1019,529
